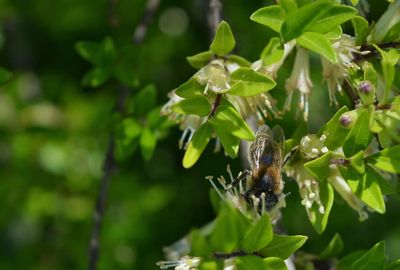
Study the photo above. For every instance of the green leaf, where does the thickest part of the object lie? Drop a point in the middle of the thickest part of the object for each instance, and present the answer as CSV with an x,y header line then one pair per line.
x,y
388,184
145,100
359,136
197,145
228,141
198,245
258,236
90,51
283,246
271,16
388,62
233,120
320,16
223,42
241,61
333,249
335,33
387,160
198,105
334,131
357,162
96,77
208,265
5,75
225,236
318,43
346,262
319,167
201,59
318,219
190,88
372,260
125,74
108,51
248,82
395,265
288,5
273,52
354,2
250,263
274,263
361,29
148,143
393,34
371,192
131,128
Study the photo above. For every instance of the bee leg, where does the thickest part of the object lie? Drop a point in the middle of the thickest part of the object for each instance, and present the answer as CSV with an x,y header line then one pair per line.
x,y
290,155
242,177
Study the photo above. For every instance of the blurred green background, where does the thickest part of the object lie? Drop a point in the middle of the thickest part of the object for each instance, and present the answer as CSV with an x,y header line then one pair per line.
x,y
54,133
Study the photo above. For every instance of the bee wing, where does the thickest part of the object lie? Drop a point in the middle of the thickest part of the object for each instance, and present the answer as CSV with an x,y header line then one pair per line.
x,y
279,138
264,135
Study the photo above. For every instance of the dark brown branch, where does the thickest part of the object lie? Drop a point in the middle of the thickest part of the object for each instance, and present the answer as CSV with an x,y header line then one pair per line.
x,y
348,89
221,255
215,105
372,51
141,29
214,16
108,169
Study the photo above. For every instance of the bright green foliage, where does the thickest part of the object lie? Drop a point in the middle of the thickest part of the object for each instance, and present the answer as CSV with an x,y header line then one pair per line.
x,y
318,43
197,145
359,136
198,105
271,16
223,42
200,59
247,82
374,259
334,131
360,25
319,167
387,160
334,248
273,52
320,220
258,236
283,246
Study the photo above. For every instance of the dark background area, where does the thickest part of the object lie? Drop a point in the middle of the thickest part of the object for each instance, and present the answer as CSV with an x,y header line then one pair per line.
x,y
54,133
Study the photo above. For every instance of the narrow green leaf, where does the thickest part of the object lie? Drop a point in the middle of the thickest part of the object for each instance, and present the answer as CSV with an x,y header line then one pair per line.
x,y
229,142
372,260
319,220
197,145
332,17
271,16
148,142
333,249
361,29
274,263
5,75
273,52
335,133
201,59
145,100
235,122
248,82
387,160
318,43
288,5
223,42
96,77
346,262
198,105
283,246
258,236
225,236
189,89
108,52
319,167
359,136
89,51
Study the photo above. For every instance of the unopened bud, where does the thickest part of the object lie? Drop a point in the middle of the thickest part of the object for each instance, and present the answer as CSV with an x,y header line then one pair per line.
x,y
366,91
348,119
365,87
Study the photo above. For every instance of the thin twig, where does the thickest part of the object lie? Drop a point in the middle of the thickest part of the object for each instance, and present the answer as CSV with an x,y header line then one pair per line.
x,y
141,29
214,16
372,51
108,169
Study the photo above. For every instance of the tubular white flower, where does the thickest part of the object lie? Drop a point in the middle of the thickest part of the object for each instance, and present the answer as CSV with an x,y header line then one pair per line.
x,y
300,80
215,76
185,263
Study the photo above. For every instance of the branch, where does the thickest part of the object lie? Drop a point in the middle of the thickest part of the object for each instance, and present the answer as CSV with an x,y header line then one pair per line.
x,y
108,169
372,51
214,16
348,89
141,29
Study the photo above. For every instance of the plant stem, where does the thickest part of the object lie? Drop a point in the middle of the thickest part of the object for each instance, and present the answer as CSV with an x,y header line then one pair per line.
x,y
148,14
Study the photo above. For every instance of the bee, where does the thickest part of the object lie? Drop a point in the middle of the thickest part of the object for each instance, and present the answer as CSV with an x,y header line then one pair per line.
x,y
266,157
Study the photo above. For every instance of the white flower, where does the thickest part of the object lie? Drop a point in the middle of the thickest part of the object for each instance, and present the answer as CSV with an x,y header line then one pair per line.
x,y
300,80
214,76
185,263
335,73
312,146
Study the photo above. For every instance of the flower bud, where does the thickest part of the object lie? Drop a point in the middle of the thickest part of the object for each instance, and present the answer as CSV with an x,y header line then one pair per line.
x,y
312,146
366,91
348,119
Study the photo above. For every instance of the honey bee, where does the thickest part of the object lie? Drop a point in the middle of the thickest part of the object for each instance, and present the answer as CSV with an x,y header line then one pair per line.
x,y
264,180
